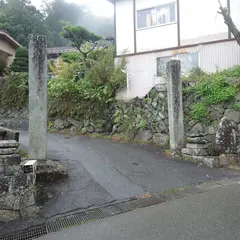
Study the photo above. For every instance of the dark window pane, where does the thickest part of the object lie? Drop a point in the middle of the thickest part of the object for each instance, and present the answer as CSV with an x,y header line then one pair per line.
x,y
188,61
172,7
162,65
166,14
146,18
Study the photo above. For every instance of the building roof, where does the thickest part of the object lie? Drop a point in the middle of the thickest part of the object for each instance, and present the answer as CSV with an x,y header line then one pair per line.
x,y
60,50
4,35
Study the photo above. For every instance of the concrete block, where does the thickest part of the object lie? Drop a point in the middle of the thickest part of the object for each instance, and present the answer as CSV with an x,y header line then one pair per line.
x,y
196,146
9,215
8,134
9,144
4,184
199,140
30,212
194,152
10,159
24,199
7,151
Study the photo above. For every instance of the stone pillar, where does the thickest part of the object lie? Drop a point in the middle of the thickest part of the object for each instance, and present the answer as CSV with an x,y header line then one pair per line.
x,y
37,98
175,105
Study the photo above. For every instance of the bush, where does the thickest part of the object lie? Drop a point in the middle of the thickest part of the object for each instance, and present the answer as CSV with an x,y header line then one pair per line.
x,y
20,62
3,65
212,89
85,87
14,91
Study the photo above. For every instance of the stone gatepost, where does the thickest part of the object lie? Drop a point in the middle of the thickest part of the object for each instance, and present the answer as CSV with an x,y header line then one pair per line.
x,y
37,98
175,105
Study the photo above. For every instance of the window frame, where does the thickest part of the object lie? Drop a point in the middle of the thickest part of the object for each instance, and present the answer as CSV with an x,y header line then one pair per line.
x,y
155,7
176,57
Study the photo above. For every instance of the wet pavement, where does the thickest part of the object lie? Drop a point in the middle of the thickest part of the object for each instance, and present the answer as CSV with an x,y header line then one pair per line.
x,y
102,171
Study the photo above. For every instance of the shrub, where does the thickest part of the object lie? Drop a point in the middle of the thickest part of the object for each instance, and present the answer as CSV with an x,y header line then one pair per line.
x,y
212,89
20,62
3,65
85,87
14,91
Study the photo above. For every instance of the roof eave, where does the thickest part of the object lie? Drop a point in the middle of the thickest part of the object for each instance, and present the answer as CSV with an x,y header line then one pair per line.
x,y
11,40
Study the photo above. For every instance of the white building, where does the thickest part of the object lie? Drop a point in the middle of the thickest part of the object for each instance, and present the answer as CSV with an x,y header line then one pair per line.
x,y
151,32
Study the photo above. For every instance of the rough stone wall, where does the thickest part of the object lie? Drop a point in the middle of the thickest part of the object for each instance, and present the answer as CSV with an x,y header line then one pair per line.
x,y
215,112
17,189
14,119
145,120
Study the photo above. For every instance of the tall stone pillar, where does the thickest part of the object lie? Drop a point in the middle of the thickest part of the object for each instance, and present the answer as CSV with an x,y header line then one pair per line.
x,y
175,105
37,98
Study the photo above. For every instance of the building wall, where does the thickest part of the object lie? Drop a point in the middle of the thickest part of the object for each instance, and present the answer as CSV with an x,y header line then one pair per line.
x,y
7,48
142,68
156,37
235,10
202,23
198,22
124,26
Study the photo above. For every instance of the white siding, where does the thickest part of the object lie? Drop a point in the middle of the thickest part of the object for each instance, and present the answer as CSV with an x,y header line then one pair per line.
x,y
200,22
219,56
142,69
157,38
124,26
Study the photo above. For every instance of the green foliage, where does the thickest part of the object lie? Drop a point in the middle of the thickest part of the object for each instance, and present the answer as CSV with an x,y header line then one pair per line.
x,y
20,62
71,57
78,36
3,65
20,18
199,112
194,74
212,89
14,91
89,94
236,106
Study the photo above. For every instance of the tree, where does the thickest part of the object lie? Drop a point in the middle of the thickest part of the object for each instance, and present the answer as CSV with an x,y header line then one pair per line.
x,y
78,36
20,62
19,18
225,12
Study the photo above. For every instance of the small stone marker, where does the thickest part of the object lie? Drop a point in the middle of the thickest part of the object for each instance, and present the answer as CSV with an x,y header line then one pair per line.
x,y
227,137
37,97
175,105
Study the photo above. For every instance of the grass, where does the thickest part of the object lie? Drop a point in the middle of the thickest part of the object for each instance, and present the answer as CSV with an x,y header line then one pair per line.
x,y
23,154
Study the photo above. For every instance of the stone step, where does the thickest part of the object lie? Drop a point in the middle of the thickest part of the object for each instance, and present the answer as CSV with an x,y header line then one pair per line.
x,y
9,144
200,140
194,152
6,151
196,146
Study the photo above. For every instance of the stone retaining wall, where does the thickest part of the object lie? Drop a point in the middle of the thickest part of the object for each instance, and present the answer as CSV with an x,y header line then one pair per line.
x,y
17,189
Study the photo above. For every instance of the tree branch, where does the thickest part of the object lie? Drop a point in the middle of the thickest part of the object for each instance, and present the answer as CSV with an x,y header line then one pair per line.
x,y
229,22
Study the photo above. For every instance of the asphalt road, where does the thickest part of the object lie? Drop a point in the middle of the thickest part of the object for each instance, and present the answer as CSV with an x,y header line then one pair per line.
x,y
102,171
213,215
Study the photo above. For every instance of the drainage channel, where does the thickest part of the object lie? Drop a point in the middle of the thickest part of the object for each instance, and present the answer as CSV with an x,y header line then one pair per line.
x,y
80,218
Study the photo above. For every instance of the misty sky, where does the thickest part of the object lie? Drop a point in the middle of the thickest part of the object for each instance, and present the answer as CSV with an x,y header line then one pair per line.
x,y
99,7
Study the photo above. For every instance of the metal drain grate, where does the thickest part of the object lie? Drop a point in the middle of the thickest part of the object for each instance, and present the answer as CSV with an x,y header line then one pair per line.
x,y
76,220
28,234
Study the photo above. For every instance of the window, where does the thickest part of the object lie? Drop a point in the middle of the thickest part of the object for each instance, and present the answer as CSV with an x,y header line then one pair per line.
x,y
162,65
156,16
188,62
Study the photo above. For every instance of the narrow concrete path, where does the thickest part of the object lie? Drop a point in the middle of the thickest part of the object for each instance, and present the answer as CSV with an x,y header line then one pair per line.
x,y
102,171
212,215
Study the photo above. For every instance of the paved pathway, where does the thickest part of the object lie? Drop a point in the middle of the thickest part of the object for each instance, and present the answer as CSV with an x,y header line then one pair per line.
x,y
102,171
212,215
